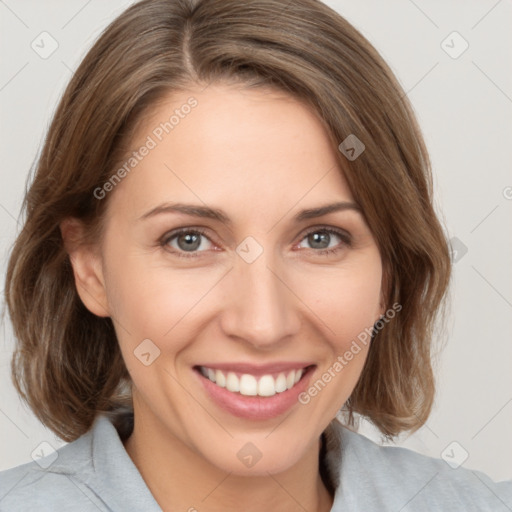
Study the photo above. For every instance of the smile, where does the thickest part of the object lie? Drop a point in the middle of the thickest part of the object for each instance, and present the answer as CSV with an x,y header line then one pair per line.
x,y
250,385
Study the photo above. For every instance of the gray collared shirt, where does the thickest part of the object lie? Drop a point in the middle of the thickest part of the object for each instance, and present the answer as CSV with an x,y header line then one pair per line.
x,y
95,473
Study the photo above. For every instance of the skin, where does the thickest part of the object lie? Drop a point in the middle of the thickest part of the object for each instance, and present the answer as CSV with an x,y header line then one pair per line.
x,y
261,157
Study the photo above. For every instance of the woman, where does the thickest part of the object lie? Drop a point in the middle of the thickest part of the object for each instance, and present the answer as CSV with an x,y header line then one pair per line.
x,y
229,239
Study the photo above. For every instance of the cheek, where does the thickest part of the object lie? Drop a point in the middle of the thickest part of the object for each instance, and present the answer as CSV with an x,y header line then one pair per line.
x,y
346,303
346,300
158,302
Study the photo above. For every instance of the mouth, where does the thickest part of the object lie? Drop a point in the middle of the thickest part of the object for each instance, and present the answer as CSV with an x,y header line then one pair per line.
x,y
248,384
255,393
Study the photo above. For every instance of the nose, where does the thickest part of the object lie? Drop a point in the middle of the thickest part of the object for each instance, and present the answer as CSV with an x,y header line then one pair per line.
x,y
261,309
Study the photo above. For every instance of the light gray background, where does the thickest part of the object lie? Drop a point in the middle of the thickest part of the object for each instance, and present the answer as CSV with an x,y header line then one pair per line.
x,y
464,106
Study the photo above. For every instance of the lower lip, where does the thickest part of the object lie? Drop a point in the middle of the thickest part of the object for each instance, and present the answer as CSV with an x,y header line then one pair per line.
x,y
255,407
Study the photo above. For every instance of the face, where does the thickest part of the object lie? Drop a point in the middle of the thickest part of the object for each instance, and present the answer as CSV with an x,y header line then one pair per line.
x,y
247,285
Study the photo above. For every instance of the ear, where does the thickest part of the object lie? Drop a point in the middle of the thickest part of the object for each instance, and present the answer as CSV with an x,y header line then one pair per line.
x,y
87,267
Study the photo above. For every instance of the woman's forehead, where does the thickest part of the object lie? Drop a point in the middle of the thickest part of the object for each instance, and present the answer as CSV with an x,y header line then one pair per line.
x,y
244,146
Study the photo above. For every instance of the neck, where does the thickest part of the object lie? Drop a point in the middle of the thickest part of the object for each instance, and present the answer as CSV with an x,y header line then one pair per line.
x,y
180,479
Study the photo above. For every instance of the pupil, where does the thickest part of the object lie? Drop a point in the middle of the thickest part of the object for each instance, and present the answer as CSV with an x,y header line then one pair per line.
x,y
319,238
193,238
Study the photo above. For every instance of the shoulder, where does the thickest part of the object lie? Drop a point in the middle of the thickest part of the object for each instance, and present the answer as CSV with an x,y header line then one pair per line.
x,y
374,476
93,473
56,481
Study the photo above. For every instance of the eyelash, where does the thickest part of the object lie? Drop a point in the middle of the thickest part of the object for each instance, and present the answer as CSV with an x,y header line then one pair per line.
x,y
345,237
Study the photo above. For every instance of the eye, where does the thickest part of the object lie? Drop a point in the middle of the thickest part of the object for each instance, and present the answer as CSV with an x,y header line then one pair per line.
x,y
320,239
185,242
190,242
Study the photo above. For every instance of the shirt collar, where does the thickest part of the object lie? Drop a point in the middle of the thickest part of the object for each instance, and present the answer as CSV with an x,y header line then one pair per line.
x,y
114,476
116,479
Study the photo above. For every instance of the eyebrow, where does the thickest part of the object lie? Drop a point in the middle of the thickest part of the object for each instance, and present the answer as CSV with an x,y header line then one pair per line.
x,y
217,214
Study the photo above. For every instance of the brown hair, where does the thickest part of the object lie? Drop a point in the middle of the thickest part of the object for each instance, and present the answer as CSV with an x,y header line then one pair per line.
x,y
67,364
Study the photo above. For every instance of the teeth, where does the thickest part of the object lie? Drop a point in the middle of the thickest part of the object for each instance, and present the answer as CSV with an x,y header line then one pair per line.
x,y
232,383
248,385
281,383
290,379
220,379
266,386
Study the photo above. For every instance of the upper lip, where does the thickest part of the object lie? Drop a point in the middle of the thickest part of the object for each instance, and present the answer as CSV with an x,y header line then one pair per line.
x,y
257,369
